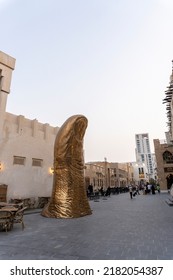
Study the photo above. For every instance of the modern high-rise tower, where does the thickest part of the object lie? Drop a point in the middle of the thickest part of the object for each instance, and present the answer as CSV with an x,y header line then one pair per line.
x,y
143,153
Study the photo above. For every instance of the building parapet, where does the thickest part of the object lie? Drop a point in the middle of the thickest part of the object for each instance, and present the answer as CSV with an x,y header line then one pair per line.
x,y
23,125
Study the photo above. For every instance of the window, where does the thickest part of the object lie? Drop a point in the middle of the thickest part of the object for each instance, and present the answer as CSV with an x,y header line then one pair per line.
x,y
37,162
142,157
168,157
19,160
138,148
141,170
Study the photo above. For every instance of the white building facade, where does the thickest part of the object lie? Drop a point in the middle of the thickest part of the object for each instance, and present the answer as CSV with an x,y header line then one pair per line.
x,y
26,146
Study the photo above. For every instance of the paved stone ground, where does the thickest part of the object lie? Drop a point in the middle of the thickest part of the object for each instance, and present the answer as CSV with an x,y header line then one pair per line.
x,y
119,228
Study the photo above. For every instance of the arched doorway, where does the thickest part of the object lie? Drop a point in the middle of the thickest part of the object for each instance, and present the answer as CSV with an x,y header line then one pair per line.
x,y
169,179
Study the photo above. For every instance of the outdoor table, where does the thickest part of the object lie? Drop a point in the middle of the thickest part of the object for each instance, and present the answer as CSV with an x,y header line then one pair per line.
x,y
8,204
9,208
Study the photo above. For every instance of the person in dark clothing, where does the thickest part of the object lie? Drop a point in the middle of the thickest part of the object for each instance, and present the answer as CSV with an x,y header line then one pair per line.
x,y
101,191
153,189
90,189
108,192
131,191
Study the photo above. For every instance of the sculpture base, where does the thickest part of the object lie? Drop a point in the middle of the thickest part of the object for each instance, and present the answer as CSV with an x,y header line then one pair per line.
x,y
63,212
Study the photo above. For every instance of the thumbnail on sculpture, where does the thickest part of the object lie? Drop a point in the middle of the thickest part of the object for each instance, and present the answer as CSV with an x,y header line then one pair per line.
x,y
69,199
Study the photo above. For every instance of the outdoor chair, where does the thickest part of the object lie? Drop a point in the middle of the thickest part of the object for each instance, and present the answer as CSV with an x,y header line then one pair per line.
x,y
18,218
19,205
6,220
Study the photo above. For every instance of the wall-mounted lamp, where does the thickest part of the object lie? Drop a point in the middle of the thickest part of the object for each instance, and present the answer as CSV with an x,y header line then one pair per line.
x,y
51,170
1,167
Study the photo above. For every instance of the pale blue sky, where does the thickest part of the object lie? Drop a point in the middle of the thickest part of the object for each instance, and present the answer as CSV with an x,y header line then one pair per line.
x,y
109,60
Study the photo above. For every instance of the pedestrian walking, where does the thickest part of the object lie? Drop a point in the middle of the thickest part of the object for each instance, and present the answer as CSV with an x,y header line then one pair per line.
x,y
152,189
137,190
108,192
158,188
131,191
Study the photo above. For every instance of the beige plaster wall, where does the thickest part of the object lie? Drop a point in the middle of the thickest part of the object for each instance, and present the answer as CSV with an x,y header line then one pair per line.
x,y
29,139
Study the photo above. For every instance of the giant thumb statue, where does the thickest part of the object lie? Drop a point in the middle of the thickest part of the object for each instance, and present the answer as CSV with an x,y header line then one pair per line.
x,y
69,199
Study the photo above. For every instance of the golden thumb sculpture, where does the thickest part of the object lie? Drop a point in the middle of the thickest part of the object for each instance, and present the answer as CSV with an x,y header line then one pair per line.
x,y
69,199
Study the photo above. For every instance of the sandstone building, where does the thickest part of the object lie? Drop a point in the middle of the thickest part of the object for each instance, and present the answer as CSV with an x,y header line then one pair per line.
x,y
26,146
164,150
104,174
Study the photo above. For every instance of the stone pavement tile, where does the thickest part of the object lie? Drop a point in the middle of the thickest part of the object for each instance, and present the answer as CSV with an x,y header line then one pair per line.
x,y
119,228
